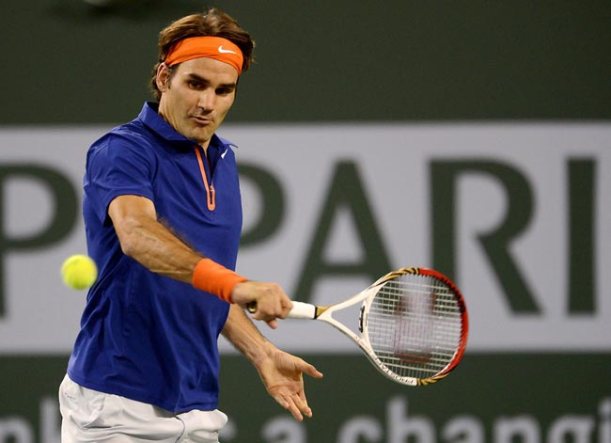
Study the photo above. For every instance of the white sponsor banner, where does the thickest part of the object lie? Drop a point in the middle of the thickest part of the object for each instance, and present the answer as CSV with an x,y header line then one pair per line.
x,y
394,168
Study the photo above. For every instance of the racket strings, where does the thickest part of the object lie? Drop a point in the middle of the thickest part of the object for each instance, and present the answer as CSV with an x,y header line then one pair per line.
x,y
414,325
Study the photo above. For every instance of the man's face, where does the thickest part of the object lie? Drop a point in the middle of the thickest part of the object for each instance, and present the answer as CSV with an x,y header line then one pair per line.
x,y
197,97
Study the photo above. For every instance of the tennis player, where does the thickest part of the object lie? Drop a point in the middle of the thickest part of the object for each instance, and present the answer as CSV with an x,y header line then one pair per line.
x,y
163,217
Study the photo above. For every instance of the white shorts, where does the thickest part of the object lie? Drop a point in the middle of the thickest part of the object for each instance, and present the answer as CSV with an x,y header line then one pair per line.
x,y
92,416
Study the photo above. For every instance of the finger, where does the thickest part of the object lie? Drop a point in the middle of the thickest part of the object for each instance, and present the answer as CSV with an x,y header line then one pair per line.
x,y
269,308
281,401
278,309
270,320
273,305
308,369
290,406
302,403
286,305
265,310
294,410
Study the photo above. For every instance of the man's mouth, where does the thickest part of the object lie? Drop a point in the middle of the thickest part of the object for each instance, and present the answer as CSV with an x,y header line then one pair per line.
x,y
202,121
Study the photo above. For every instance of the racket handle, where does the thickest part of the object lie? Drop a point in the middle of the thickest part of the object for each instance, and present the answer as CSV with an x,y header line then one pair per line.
x,y
299,310
303,310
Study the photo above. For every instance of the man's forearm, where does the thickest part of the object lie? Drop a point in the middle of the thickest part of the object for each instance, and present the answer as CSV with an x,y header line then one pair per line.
x,y
244,335
157,248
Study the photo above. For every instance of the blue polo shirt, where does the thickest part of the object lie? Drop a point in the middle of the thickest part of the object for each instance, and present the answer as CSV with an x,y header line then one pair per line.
x,y
144,336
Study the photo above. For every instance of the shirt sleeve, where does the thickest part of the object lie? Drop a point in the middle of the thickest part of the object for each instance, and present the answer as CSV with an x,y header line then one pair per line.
x,y
117,166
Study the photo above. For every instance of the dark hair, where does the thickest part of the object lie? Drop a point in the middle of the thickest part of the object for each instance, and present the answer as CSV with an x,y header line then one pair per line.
x,y
213,22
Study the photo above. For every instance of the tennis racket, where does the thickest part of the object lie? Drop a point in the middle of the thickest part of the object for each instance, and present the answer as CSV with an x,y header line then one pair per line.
x,y
412,324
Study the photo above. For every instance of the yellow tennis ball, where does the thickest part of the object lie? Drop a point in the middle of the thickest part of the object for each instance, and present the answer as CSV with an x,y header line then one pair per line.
x,y
79,272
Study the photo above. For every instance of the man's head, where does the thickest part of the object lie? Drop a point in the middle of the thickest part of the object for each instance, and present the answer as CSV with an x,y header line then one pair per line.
x,y
200,59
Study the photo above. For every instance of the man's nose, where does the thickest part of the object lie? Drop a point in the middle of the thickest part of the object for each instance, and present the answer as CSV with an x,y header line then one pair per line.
x,y
206,100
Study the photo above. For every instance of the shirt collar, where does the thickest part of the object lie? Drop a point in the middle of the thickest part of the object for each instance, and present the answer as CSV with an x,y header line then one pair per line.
x,y
151,119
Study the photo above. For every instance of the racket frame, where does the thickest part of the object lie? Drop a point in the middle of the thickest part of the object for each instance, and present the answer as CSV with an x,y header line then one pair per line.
x,y
325,313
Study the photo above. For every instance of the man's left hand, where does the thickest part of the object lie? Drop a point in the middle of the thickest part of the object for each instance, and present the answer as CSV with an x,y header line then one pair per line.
x,y
282,375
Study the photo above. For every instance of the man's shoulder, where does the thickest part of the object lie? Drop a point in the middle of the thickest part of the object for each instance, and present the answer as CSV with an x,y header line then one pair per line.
x,y
131,132
128,142
128,136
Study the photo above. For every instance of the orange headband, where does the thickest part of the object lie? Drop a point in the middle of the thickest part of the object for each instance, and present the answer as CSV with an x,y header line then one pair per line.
x,y
217,48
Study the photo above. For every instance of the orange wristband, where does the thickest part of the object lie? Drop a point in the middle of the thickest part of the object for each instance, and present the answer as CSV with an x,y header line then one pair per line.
x,y
216,279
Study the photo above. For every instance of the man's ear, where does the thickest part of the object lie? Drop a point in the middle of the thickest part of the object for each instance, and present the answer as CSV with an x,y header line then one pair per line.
x,y
163,77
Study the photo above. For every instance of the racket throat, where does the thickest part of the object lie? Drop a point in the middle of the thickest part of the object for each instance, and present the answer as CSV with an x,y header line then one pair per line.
x,y
319,311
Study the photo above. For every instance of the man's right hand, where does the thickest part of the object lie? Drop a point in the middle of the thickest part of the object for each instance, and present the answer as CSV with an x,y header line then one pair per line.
x,y
271,300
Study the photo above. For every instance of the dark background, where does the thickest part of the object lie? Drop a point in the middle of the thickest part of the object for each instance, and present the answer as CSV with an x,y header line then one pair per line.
x,y
66,62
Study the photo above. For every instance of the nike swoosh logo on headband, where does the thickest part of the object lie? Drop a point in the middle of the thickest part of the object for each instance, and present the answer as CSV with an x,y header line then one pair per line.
x,y
226,51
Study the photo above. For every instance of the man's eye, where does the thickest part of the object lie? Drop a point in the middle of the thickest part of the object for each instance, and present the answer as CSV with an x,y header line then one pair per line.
x,y
223,91
194,84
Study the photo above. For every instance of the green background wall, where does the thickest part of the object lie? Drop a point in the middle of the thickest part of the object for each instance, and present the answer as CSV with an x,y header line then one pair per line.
x,y
67,62
490,392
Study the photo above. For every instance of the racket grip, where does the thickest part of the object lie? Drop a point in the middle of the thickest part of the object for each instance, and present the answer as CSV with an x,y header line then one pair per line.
x,y
303,310
299,310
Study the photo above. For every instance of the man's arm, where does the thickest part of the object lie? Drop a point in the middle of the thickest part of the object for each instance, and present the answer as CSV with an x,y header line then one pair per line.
x,y
281,373
146,240
149,242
